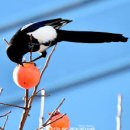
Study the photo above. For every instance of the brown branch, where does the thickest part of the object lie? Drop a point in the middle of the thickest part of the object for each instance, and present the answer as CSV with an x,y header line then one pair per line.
x,y
56,120
30,101
39,90
5,114
36,95
44,125
26,98
7,43
31,48
53,113
11,105
26,111
42,72
5,122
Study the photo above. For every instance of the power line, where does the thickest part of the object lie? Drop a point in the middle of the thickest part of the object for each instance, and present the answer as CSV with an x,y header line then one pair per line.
x,y
77,82
51,13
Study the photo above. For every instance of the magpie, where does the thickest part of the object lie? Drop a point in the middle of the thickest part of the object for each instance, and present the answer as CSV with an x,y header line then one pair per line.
x,y
39,36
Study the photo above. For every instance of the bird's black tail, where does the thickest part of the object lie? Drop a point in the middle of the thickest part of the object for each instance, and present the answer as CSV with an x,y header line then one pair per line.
x,y
90,37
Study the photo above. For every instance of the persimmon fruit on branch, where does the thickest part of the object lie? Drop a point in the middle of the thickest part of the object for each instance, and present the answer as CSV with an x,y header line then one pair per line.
x,y
59,121
26,76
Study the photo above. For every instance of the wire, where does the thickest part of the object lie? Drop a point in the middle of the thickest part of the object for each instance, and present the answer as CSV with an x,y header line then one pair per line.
x,y
115,68
51,13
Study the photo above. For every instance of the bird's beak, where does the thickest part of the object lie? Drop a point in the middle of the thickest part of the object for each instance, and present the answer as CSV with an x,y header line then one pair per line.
x,y
21,63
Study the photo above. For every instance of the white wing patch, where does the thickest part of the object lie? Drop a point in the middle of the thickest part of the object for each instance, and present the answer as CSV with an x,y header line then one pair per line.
x,y
42,48
25,26
44,34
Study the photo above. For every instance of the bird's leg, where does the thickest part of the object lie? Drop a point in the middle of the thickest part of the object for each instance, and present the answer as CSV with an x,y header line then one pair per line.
x,y
37,58
41,56
31,48
44,53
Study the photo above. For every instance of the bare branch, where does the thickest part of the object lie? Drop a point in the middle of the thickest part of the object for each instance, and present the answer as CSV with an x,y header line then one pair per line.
x,y
7,43
11,105
42,72
53,113
36,95
5,114
31,48
56,120
39,90
5,122
52,121
26,112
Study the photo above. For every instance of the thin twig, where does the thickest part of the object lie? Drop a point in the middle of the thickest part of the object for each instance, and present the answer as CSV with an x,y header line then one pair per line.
x,y
5,122
52,122
11,105
5,114
39,90
26,98
43,51
26,112
7,43
42,72
36,95
31,48
56,120
53,113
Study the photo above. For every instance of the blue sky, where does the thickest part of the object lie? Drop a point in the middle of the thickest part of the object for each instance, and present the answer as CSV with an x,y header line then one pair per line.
x,y
89,76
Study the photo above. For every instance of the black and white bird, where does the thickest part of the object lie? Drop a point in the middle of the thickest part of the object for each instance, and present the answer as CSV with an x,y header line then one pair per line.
x,y
39,36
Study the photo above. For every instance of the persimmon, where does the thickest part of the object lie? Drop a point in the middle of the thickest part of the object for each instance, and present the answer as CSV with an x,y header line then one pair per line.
x,y
59,122
26,76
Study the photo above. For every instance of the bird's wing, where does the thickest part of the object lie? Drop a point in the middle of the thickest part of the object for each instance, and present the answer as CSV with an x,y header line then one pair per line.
x,y
56,23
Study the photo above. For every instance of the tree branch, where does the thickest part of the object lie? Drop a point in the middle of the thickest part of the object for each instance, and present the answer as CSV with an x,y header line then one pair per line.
x,y
5,122
11,105
53,113
56,119
5,114
7,43
52,121
26,112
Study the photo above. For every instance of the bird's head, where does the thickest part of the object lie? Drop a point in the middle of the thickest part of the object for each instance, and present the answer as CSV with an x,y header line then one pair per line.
x,y
14,55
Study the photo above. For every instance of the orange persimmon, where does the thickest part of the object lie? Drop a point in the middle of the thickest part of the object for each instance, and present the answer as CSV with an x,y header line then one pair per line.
x,y
26,76
60,122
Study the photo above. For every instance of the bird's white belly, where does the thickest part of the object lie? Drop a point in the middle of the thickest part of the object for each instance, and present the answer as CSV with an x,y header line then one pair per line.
x,y
44,34
42,48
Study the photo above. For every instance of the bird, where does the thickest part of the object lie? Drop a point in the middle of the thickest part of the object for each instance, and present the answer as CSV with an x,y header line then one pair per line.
x,y
39,36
